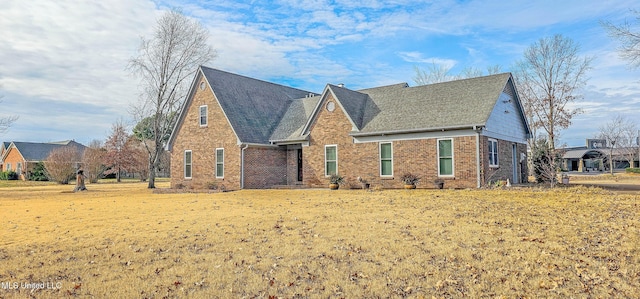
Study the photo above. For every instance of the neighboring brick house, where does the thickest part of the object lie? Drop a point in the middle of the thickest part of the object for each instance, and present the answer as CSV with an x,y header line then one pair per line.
x,y
242,132
21,157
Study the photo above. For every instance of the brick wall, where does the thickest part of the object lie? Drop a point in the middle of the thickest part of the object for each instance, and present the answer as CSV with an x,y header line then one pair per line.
x,y
14,157
203,141
505,161
362,159
265,167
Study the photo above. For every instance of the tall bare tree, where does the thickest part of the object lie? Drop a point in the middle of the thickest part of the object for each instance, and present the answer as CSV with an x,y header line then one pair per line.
x,y
549,79
166,62
619,133
629,37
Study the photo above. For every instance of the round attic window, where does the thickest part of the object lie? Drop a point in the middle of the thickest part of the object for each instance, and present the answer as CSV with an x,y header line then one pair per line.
x,y
202,85
331,106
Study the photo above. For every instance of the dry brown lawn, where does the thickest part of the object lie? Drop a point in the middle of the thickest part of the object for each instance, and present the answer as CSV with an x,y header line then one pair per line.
x,y
123,241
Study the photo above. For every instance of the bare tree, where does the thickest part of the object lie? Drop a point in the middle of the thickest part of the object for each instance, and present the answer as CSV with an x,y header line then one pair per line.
x,y
61,164
619,134
165,63
629,38
6,121
629,148
93,161
437,73
470,72
549,79
494,69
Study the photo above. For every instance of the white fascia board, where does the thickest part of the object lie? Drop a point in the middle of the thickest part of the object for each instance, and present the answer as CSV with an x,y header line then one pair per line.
x,y
414,136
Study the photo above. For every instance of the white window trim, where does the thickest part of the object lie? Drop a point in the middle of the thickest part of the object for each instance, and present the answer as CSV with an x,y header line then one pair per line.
x,y
380,159
453,159
206,115
495,149
19,168
8,165
184,164
218,163
326,174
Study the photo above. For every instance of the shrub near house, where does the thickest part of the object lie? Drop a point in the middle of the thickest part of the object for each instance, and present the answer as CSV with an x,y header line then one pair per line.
x,y
246,133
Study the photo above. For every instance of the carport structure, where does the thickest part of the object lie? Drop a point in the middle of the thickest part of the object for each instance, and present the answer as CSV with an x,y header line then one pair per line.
x,y
585,160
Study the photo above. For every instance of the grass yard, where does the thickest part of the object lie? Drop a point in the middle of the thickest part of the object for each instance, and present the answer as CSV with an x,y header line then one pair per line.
x,y
123,241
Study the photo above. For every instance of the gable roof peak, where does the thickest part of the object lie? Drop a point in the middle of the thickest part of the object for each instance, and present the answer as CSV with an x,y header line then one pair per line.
x,y
253,107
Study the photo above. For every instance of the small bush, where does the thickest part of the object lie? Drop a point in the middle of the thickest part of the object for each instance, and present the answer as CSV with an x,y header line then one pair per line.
x,y
409,178
632,170
39,173
336,179
8,175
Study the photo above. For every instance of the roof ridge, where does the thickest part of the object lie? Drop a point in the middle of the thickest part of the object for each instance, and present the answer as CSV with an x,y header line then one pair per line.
x,y
254,79
405,84
466,79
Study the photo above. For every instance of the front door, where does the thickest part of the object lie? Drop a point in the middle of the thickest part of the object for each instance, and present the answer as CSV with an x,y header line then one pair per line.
x,y
299,164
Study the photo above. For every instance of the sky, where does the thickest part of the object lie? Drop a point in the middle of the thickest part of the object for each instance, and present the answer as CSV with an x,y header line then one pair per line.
x,y
63,63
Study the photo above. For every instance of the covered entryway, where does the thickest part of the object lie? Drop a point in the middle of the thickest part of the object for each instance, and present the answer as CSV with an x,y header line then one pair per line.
x,y
295,166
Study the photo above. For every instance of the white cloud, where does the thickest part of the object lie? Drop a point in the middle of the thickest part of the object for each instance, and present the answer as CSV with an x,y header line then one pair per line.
x,y
417,57
69,51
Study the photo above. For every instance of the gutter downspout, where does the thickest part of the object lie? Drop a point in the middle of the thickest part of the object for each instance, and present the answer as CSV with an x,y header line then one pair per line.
x,y
479,182
242,165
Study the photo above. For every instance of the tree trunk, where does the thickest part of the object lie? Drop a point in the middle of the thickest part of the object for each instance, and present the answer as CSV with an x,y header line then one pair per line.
x,y
611,161
152,171
152,177
80,182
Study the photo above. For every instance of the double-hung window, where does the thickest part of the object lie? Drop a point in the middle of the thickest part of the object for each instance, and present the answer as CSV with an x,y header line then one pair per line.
x,y
386,159
493,153
187,164
330,160
445,157
203,116
219,163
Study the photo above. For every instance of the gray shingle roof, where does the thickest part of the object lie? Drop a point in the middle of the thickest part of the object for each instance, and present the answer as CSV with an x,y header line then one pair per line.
x,y
293,121
32,151
263,112
451,104
254,107
354,103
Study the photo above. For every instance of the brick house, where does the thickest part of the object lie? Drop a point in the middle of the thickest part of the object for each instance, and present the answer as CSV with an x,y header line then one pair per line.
x,y
242,132
21,157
